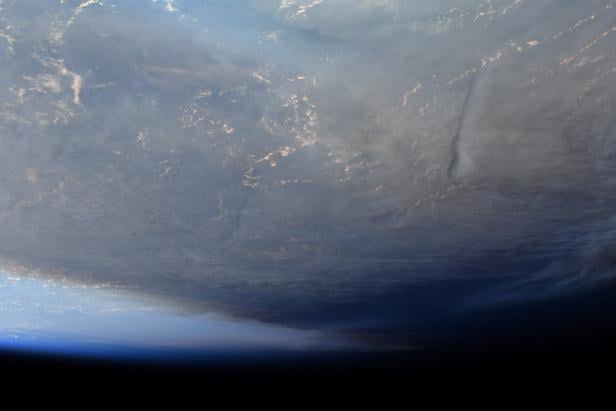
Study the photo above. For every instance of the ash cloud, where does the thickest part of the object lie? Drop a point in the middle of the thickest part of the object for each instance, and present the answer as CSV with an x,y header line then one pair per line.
x,y
290,160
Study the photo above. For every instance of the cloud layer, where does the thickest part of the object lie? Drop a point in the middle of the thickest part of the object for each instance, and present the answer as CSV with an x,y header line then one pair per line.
x,y
307,161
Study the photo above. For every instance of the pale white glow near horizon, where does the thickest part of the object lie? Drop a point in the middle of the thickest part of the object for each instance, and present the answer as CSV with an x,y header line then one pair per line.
x,y
38,310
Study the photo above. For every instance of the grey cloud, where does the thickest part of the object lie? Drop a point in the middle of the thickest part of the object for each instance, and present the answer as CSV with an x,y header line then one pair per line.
x,y
281,178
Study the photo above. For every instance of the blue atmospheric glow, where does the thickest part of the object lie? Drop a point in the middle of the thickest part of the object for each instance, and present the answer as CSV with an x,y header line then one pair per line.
x,y
45,315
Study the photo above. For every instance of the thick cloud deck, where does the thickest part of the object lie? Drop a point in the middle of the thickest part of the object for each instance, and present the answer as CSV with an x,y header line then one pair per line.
x,y
309,162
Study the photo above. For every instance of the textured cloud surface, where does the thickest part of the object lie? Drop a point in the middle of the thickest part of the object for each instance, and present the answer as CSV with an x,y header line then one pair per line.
x,y
328,162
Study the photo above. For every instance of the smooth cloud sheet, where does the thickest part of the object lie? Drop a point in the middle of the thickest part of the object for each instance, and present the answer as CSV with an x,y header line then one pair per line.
x,y
320,164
